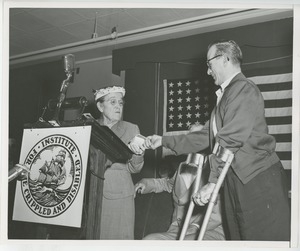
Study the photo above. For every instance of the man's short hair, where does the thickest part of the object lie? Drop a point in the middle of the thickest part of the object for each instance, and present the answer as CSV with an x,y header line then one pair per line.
x,y
230,48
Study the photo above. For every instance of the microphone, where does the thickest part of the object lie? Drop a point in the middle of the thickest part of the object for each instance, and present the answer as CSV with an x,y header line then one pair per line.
x,y
18,171
69,61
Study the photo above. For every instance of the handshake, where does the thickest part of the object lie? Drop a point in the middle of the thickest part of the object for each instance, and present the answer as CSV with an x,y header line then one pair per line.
x,y
139,143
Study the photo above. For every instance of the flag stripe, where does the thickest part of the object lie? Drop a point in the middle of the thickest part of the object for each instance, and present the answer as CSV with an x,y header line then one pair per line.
x,y
275,86
286,164
283,146
270,112
284,137
279,120
278,129
278,103
174,133
277,95
284,155
276,78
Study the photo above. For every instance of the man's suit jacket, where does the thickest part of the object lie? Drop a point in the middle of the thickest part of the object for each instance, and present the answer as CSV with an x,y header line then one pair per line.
x,y
242,128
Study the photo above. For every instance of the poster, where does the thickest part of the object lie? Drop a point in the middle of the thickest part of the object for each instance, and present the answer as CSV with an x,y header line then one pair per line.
x,y
53,191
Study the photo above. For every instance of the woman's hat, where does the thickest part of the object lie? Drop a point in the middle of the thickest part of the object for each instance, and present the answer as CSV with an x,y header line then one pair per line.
x,y
104,91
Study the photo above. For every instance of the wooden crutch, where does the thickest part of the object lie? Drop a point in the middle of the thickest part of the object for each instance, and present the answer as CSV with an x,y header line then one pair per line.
x,y
197,160
226,156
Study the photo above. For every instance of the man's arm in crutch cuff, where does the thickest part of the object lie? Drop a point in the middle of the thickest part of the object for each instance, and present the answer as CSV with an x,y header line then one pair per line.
x,y
226,156
217,161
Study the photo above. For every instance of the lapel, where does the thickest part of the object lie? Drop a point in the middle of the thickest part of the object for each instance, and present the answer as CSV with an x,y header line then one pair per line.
x,y
119,129
216,110
217,114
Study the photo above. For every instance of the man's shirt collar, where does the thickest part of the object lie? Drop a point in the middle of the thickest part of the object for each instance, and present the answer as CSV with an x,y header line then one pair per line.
x,y
225,84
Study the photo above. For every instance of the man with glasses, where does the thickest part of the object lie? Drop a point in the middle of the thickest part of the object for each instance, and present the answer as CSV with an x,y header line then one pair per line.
x,y
255,187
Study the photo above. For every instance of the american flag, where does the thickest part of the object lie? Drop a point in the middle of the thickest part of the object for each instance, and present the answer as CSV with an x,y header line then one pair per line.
x,y
189,101
186,102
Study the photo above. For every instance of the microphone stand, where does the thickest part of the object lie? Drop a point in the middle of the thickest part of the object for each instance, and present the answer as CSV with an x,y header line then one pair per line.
x,y
69,69
63,89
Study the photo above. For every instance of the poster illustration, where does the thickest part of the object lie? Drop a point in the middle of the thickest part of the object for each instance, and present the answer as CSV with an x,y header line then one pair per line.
x,y
53,191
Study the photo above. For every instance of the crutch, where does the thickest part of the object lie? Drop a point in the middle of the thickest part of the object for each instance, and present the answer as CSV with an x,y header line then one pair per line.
x,y
226,156
197,160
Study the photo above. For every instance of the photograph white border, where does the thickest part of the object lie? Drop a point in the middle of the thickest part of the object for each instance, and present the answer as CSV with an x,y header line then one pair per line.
x,y
6,244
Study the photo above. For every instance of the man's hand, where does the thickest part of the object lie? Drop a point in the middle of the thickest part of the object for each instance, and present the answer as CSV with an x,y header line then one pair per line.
x,y
202,197
153,142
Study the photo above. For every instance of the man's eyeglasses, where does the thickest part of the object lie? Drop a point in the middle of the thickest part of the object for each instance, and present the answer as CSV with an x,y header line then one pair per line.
x,y
208,61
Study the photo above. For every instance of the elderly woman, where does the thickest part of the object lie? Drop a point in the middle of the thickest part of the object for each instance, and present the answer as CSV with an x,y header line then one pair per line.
x,y
111,215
